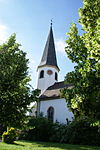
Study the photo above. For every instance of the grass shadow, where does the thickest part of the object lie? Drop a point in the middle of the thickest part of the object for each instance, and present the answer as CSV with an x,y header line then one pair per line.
x,y
60,146
18,144
66,146
15,143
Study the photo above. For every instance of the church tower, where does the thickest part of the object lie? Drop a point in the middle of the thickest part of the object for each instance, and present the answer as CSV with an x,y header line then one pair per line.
x,y
48,68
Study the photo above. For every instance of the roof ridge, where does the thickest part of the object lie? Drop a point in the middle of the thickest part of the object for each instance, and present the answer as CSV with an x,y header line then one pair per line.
x,y
54,90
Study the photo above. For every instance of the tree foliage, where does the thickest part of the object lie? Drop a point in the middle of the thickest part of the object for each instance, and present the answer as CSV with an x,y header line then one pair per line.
x,y
84,50
15,92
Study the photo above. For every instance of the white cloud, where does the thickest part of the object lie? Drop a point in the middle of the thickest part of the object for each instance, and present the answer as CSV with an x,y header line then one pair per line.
x,y
60,45
3,33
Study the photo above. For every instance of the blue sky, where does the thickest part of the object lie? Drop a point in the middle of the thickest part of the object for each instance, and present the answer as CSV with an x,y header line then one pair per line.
x,y
30,20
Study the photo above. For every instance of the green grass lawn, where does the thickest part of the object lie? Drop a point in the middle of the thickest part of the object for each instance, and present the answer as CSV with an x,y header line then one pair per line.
x,y
23,145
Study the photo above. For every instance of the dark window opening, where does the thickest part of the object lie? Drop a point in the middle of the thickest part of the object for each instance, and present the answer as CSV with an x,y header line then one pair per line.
x,y
42,74
50,113
56,76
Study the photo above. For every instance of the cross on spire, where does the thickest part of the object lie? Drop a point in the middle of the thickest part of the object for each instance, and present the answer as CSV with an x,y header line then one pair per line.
x,y
51,22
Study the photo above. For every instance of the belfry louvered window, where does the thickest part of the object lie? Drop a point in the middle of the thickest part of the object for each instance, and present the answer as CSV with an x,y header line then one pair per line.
x,y
56,76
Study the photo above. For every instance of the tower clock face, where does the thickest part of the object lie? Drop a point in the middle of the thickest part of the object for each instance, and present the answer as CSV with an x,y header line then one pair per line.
x,y
49,72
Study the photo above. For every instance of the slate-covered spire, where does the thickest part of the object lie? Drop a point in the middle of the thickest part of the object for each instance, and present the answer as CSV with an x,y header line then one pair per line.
x,y
49,54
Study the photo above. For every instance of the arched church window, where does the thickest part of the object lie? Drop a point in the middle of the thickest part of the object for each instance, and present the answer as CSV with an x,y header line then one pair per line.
x,y
56,76
50,113
42,74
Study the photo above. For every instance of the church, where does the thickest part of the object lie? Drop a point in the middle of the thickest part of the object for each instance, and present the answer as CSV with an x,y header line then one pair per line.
x,y
51,104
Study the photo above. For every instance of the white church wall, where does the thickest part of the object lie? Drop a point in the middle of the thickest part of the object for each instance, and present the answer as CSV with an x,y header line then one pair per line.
x,y
48,80
61,112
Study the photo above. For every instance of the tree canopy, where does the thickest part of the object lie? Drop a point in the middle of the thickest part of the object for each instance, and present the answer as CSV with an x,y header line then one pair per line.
x,y
15,92
84,50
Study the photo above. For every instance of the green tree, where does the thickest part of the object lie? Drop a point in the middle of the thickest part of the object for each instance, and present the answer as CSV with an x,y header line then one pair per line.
x,y
15,92
84,98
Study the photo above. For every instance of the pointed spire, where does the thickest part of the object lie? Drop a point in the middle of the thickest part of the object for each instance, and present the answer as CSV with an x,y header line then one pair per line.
x,y
49,54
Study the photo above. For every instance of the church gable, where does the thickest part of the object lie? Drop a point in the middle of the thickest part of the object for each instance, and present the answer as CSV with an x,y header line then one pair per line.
x,y
60,111
53,106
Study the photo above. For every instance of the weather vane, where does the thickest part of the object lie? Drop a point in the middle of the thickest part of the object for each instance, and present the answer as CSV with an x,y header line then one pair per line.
x,y
51,22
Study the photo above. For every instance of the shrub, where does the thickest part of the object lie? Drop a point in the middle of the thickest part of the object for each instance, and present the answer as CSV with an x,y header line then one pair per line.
x,y
77,132
9,136
2,129
82,132
40,129
58,133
